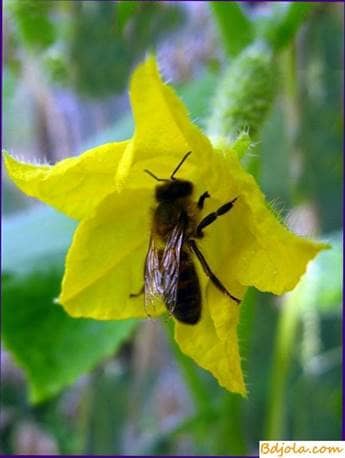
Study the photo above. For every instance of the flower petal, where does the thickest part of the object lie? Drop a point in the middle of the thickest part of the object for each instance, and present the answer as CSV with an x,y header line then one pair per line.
x,y
74,185
162,124
105,263
220,357
263,252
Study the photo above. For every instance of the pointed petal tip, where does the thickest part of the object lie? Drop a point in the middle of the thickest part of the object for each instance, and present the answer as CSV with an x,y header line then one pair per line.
x,y
12,164
150,59
237,387
324,246
147,68
8,158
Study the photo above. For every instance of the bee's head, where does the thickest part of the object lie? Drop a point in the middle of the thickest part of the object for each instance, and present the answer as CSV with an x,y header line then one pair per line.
x,y
174,189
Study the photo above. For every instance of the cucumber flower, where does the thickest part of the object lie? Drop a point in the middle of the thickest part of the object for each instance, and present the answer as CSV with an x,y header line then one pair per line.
x,y
108,192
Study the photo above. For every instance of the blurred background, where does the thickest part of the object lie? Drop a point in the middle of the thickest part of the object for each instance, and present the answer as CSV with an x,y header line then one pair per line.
x,y
80,386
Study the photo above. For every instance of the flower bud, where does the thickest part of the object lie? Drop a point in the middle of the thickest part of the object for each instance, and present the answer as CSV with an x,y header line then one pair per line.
x,y
244,95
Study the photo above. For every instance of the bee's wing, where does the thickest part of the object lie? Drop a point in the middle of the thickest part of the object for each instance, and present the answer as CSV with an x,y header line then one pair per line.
x,y
170,265
153,274
162,269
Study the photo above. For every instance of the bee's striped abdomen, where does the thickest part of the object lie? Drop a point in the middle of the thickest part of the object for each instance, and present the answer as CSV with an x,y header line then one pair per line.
x,y
187,308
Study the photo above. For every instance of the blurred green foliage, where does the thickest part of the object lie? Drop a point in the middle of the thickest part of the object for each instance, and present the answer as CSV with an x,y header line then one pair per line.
x,y
105,38
279,26
34,24
107,53
276,27
99,52
321,73
235,26
291,347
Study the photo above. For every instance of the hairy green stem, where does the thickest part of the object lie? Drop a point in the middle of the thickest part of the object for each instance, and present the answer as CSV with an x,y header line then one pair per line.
x,y
283,349
290,310
197,388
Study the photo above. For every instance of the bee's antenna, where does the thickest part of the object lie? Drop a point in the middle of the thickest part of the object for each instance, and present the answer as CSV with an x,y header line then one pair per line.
x,y
154,176
172,177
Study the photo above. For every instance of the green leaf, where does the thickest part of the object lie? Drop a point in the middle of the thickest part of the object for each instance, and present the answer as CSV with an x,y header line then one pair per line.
x,y
52,348
280,27
235,27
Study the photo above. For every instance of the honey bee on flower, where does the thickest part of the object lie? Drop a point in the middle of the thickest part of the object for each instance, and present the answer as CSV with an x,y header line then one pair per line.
x,y
108,191
169,270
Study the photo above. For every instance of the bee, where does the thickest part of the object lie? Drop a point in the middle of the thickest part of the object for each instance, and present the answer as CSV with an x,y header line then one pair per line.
x,y
169,272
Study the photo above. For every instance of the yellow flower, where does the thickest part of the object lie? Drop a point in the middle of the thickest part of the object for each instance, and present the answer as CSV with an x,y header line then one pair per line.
x,y
107,190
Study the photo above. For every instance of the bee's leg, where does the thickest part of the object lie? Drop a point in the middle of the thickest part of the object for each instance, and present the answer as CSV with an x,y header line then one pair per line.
x,y
142,289
212,217
202,199
217,283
